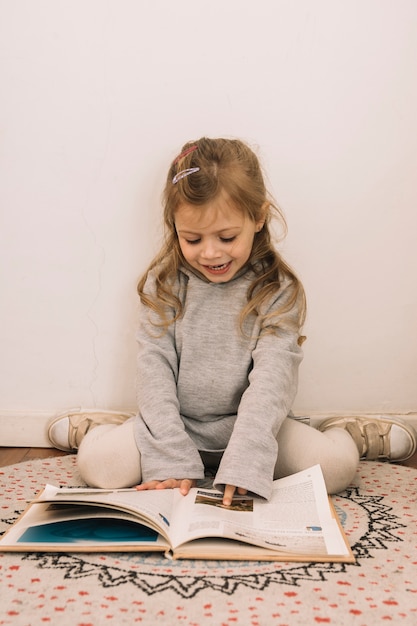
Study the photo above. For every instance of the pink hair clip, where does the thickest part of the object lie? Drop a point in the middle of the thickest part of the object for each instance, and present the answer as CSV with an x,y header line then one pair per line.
x,y
184,173
184,154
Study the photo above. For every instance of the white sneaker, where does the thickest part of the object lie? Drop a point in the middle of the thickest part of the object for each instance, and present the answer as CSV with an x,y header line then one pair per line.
x,y
66,431
377,438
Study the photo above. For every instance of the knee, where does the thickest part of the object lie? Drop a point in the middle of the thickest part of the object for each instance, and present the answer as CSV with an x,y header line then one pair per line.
x,y
108,457
93,468
338,477
339,468
105,469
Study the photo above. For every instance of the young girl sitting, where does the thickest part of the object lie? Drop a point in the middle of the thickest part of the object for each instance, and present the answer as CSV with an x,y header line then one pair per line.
x,y
219,349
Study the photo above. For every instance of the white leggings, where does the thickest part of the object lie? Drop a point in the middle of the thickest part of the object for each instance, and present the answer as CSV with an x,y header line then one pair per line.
x,y
109,458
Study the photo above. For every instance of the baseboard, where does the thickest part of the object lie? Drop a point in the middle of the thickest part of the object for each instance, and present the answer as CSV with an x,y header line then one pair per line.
x,y
29,429
24,430
314,419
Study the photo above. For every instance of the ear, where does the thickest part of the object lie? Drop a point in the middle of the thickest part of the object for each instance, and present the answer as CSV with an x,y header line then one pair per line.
x,y
261,222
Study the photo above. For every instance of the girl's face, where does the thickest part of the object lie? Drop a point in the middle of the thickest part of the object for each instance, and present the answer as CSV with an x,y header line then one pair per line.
x,y
216,239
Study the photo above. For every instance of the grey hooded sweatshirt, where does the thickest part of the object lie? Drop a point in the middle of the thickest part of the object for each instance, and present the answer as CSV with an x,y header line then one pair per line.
x,y
204,386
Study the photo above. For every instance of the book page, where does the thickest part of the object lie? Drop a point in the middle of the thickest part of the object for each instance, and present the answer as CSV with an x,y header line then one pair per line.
x,y
297,518
80,527
152,506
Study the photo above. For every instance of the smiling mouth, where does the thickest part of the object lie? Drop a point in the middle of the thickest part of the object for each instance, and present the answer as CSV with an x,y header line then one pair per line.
x,y
218,269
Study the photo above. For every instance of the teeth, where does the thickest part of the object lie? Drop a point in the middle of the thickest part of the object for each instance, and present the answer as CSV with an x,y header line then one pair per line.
x,y
218,267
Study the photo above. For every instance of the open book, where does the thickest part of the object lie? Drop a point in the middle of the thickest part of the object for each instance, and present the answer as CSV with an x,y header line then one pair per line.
x,y
298,523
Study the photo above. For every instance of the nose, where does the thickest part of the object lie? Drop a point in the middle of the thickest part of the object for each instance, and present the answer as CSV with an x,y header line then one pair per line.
x,y
210,250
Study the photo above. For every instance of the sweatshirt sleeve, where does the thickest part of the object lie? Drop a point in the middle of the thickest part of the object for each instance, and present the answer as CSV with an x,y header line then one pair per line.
x,y
250,457
166,449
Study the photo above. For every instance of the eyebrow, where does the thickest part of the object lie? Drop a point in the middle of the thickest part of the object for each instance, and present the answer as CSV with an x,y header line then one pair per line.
x,y
218,232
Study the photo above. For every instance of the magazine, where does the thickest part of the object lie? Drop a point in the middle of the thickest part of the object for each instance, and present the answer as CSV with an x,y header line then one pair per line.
x,y
298,523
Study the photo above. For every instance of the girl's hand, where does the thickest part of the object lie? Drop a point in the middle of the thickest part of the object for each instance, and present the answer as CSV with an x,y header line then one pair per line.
x,y
229,492
184,484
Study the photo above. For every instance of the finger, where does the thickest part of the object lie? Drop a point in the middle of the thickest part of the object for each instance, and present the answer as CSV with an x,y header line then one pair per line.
x,y
149,485
241,491
157,484
185,486
229,491
170,483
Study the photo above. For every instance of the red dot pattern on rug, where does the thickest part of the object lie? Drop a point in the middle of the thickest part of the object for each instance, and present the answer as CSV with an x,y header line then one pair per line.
x,y
379,513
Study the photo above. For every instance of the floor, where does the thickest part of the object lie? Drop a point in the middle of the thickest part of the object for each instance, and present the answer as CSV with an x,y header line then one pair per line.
x,y
10,456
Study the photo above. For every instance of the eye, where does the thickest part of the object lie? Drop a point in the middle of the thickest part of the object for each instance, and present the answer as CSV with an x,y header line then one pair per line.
x,y
227,239
193,242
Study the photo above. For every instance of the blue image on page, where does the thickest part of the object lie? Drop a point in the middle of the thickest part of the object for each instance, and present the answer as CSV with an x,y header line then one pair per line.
x,y
95,530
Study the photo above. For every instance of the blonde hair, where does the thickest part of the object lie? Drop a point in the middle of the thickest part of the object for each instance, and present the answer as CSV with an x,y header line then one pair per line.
x,y
222,166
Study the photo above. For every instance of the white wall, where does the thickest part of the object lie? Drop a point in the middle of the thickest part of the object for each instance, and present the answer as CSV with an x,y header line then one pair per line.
x,y
97,97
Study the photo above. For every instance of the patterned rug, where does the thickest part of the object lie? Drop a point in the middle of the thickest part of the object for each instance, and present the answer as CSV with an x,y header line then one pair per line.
x,y
379,515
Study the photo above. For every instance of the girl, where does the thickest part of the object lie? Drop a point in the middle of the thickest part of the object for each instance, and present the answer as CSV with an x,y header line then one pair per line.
x,y
219,349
